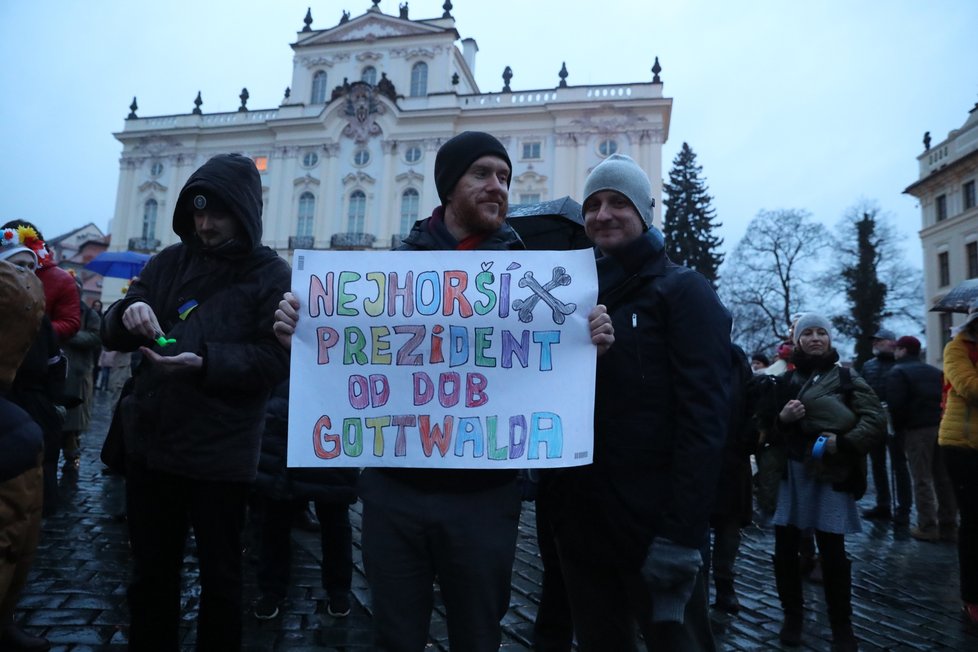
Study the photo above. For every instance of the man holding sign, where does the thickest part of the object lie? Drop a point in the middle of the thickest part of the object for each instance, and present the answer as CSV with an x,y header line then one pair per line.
x,y
630,527
454,525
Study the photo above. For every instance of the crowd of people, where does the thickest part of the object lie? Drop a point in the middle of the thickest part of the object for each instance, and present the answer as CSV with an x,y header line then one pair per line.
x,y
628,542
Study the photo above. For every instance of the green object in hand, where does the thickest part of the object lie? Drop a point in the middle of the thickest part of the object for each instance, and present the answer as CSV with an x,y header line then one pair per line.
x,y
165,341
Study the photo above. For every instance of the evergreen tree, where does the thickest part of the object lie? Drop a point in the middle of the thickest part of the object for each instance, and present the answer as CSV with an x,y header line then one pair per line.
x,y
689,218
866,294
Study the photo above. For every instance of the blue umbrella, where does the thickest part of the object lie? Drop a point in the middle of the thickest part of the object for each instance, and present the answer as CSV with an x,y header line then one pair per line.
x,y
118,264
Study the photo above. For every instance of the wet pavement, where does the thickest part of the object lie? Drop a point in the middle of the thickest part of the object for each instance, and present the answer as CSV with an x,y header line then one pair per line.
x,y
905,591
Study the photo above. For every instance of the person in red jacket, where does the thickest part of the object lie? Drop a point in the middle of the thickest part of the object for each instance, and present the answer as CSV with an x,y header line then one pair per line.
x,y
60,296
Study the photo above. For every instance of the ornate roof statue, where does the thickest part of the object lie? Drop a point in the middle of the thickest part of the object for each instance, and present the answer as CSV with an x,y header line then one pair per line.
x,y
132,109
308,20
656,69
563,75
197,102
507,76
244,100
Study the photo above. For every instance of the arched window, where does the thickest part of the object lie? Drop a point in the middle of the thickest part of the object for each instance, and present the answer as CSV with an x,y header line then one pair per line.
x,y
358,208
369,75
149,219
419,79
409,209
307,209
318,88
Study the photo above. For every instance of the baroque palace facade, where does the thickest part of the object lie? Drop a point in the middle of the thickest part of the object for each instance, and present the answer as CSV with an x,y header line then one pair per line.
x,y
347,159
949,222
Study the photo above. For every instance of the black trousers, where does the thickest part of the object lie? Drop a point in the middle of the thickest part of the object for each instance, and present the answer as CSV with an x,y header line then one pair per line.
x,y
962,466
467,541
275,558
161,508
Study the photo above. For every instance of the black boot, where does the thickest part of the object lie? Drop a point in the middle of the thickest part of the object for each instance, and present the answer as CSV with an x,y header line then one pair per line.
x,y
837,574
787,576
14,639
726,597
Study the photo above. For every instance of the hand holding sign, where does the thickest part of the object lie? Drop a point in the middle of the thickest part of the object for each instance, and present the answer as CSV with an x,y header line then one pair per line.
x,y
286,317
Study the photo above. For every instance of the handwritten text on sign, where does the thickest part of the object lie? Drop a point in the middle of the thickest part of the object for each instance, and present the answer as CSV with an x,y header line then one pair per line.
x,y
473,359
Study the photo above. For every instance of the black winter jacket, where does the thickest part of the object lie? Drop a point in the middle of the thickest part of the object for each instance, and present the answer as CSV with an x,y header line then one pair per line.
x,y
913,394
21,440
277,482
661,410
874,372
207,425
430,234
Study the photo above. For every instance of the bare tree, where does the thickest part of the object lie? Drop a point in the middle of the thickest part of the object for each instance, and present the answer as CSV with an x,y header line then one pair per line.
x,y
771,274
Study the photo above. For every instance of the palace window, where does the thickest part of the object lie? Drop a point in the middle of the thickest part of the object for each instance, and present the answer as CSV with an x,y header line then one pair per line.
x,y
943,270
157,169
309,159
318,88
419,79
940,203
369,75
410,201
356,212
412,154
307,211
607,147
531,150
530,198
968,194
361,157
149,219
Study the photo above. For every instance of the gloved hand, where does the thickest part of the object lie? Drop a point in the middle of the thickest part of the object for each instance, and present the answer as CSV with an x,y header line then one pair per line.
x,y
670,570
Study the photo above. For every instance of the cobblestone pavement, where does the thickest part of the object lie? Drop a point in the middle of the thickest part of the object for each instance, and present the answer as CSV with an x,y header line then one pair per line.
x,y
905,591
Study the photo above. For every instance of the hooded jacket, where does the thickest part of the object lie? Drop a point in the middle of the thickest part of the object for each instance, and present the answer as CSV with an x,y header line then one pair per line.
x,y
207,425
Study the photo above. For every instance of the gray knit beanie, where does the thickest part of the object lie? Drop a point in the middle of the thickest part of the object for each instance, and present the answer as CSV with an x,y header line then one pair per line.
x,y
622,174
812,320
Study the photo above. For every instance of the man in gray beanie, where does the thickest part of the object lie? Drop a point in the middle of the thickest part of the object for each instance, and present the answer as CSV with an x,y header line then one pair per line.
x,y
631,526
456,526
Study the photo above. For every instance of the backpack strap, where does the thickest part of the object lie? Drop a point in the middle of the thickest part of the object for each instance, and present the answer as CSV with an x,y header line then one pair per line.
x,y
846,386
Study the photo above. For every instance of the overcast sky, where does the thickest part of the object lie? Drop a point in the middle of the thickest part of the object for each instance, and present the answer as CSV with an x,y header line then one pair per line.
x,y
812,105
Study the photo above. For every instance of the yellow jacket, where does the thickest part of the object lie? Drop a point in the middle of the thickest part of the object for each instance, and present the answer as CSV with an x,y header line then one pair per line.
x,y
959,425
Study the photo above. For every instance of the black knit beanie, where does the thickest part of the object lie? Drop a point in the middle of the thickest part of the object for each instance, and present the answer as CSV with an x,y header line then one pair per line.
x,y
458,153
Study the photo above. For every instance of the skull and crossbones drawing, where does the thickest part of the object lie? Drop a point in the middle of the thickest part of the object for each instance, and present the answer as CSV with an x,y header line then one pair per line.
x,y
524,307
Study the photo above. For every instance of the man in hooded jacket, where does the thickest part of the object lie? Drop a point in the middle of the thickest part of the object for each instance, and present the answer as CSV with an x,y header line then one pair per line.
x,y
194,418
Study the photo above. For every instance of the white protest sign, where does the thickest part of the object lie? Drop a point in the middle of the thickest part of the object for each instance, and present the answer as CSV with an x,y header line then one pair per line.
x,y
447,359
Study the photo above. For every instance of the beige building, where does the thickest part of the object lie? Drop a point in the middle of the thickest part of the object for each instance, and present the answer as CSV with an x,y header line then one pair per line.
x,y
347,159
949,218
